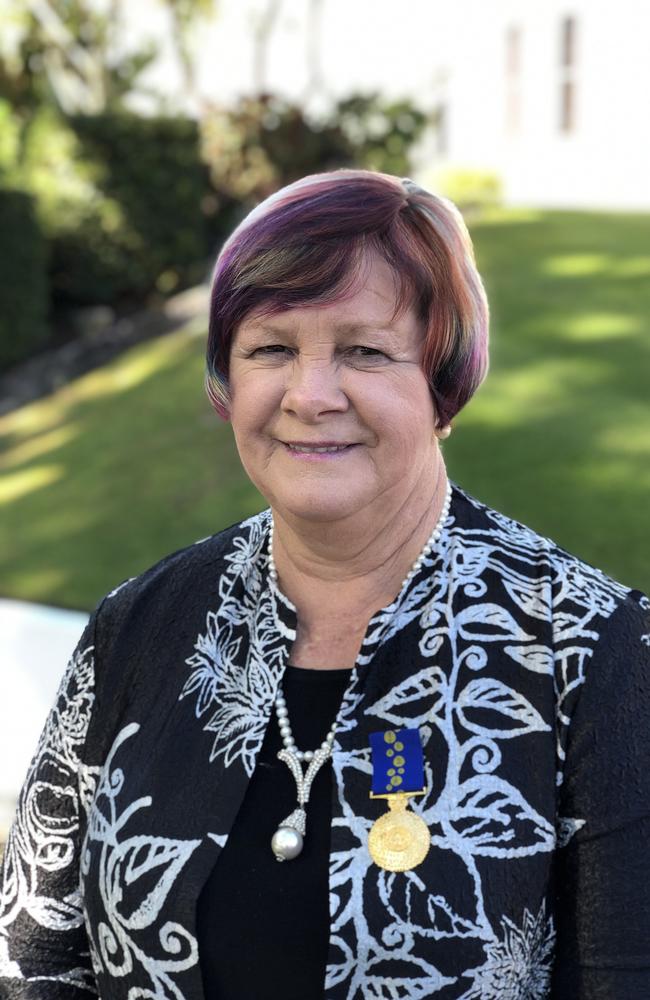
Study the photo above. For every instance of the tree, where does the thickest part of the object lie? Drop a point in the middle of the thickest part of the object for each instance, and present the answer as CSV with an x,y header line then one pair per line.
x,y
263,24
69,53
185,16
315,79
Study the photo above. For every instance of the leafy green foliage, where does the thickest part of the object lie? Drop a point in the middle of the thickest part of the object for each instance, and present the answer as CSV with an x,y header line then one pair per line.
x,y
381,132
262,143
72,55
10,138
122,200
140,219
265,142
471,190
23,287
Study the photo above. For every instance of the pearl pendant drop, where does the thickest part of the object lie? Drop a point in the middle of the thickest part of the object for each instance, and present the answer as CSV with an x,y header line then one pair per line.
x,y
286,843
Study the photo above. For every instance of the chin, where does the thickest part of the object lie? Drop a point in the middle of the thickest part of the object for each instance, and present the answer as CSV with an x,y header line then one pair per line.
x,y
316,508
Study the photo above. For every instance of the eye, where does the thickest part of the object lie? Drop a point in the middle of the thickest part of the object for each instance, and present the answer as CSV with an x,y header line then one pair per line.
x,y
269,350
361,351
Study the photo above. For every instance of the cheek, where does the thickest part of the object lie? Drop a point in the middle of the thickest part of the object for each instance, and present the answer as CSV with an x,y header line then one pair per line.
x,y
253,420
411,414
243,423
417,433
249,403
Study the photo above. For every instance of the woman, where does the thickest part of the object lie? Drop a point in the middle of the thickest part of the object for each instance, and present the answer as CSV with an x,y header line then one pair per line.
x,y
456,784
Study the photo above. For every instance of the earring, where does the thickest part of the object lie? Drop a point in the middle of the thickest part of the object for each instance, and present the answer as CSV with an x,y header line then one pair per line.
x,y
444,432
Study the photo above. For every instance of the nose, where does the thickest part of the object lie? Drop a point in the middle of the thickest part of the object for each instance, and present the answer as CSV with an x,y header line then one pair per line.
x,y
314,389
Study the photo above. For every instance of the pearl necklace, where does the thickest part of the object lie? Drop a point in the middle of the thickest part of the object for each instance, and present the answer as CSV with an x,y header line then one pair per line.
x,y
288,839
417,565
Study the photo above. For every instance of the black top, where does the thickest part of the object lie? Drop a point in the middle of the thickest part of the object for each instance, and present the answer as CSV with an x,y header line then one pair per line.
x,y
263,925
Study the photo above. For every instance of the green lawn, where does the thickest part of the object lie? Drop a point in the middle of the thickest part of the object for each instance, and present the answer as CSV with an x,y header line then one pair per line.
x,y
129,463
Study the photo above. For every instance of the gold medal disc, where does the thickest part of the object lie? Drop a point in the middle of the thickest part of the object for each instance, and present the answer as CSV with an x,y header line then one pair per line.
x,y
399,840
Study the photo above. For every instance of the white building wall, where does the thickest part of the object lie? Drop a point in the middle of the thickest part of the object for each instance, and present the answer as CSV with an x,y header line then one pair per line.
x,y
605,160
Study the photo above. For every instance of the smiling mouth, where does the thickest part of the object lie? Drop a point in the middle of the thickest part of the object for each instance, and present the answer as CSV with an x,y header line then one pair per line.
x,y
306,449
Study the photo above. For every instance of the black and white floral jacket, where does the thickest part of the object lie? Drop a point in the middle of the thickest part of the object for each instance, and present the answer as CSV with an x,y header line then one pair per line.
x,y
527,673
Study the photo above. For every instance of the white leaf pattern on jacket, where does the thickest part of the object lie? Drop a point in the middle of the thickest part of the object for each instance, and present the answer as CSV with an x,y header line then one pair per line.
x,y
42,847
235,689
129,861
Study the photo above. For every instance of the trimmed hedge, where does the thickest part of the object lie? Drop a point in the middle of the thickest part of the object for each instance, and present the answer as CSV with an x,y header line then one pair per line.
x,y
23,279
145,226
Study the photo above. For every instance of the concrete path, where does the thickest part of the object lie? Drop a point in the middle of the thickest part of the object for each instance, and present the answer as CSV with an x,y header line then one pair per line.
x,y
35,645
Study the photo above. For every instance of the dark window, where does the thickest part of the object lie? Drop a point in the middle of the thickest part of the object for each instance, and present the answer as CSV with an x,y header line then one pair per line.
x,y
567,54
567,116
442,138
513,51
566,109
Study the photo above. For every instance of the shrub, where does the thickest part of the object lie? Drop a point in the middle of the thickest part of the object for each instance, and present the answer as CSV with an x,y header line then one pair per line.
x,y
135,220
471,190
381,132
9,144
23,284
265,142
261,144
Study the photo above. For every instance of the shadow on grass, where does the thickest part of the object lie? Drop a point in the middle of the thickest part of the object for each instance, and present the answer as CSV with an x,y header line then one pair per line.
x,y
143,467
559,436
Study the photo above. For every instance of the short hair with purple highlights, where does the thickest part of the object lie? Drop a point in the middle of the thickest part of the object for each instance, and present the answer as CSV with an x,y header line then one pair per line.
x,y
306,244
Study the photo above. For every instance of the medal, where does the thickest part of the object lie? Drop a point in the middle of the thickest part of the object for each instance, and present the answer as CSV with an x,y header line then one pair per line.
x,y
398,840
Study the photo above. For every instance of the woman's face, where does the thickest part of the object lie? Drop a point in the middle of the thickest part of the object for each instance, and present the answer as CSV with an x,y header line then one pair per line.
x,y
330,408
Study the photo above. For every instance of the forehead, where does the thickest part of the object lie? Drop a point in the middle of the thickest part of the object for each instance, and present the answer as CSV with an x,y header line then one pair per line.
x,y
370,302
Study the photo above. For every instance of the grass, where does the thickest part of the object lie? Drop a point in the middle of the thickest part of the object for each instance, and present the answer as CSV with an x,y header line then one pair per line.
x,y
112,472
559,436
128,463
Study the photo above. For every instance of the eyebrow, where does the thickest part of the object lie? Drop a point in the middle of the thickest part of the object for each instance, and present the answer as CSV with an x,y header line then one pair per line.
x,y
344,328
